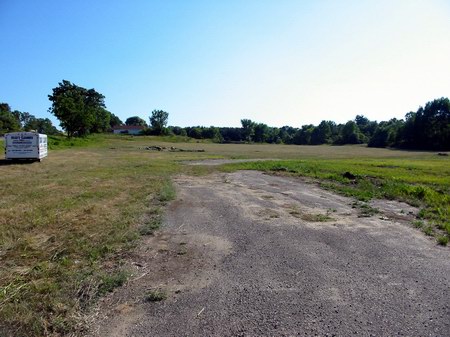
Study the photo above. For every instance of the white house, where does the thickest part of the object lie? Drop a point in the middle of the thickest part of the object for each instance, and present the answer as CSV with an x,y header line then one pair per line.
x,y
128,129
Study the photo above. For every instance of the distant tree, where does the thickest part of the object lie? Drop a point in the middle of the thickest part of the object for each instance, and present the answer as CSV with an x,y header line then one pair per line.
x,y
366,127
42,125
79,110
287,134
248,129
176,130
432,125
230,134
260,132
274,136
194,132
303,135
322,133
350,134
136,121
114,121
406,134
5,107
23,118
8,121
158,120
380,137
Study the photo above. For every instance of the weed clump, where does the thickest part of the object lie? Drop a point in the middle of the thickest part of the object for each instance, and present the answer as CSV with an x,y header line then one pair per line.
x,y
111,281
155,296
442,240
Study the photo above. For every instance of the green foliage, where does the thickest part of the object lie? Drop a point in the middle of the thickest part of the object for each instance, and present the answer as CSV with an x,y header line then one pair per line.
x,y
136,120
114,121
158,120
150,226
17,121
248,129
350,134
167,193
322,133
429,127
8,122
111,281
442,240
80,111
261,133
60,142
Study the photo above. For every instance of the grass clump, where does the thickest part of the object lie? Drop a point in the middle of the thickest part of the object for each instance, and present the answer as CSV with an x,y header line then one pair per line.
x,y
167,192
111,281
155,296
442,240
365,210
310,217
150,227
428,230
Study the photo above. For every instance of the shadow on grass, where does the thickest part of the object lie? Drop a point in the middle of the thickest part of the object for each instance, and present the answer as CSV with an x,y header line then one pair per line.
x,y
4,162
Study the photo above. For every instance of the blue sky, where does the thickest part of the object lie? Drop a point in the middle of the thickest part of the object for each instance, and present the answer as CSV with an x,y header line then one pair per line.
x,y
215,62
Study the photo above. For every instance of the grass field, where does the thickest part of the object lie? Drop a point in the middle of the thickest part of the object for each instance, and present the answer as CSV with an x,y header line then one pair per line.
x,y
67,223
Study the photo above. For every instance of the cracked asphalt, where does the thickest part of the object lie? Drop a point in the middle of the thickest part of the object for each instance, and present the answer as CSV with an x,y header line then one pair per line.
x,y
268,255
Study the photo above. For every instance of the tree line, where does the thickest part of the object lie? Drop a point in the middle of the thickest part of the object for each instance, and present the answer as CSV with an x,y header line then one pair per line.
x,y
426,129
83,111
15,120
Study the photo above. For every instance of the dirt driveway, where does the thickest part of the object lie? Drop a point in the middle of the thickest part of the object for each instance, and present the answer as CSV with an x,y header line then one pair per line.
x,y
250,254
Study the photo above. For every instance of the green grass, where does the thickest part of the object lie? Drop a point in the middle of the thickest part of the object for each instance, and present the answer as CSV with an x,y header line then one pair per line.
x,y
442,240
422,182
155,296
109,282
66,222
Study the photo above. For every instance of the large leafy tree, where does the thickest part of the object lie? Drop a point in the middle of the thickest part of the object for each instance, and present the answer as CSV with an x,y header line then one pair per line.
x,y
79,110
261,132
158,120
432,125
135,120
350,134
248,129
322,133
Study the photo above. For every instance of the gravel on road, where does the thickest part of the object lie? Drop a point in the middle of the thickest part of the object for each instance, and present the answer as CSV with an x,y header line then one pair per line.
x,y
251,254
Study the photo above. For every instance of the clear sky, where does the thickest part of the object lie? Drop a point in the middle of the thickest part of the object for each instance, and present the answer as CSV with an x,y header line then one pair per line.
x,y
214,62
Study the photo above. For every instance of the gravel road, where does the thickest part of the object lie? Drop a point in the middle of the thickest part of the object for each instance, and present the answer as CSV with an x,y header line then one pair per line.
x,y
250,254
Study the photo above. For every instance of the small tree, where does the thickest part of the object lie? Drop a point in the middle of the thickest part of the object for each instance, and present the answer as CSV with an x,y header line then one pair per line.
x,y
158,120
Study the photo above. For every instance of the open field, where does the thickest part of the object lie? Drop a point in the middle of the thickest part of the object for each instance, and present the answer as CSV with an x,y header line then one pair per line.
x,y
67,223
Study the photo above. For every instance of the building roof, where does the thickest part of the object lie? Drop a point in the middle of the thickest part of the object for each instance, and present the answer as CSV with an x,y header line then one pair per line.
x,y
129,127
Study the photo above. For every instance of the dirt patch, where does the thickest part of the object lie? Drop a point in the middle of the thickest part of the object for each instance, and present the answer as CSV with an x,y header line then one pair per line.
x,y
171,262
